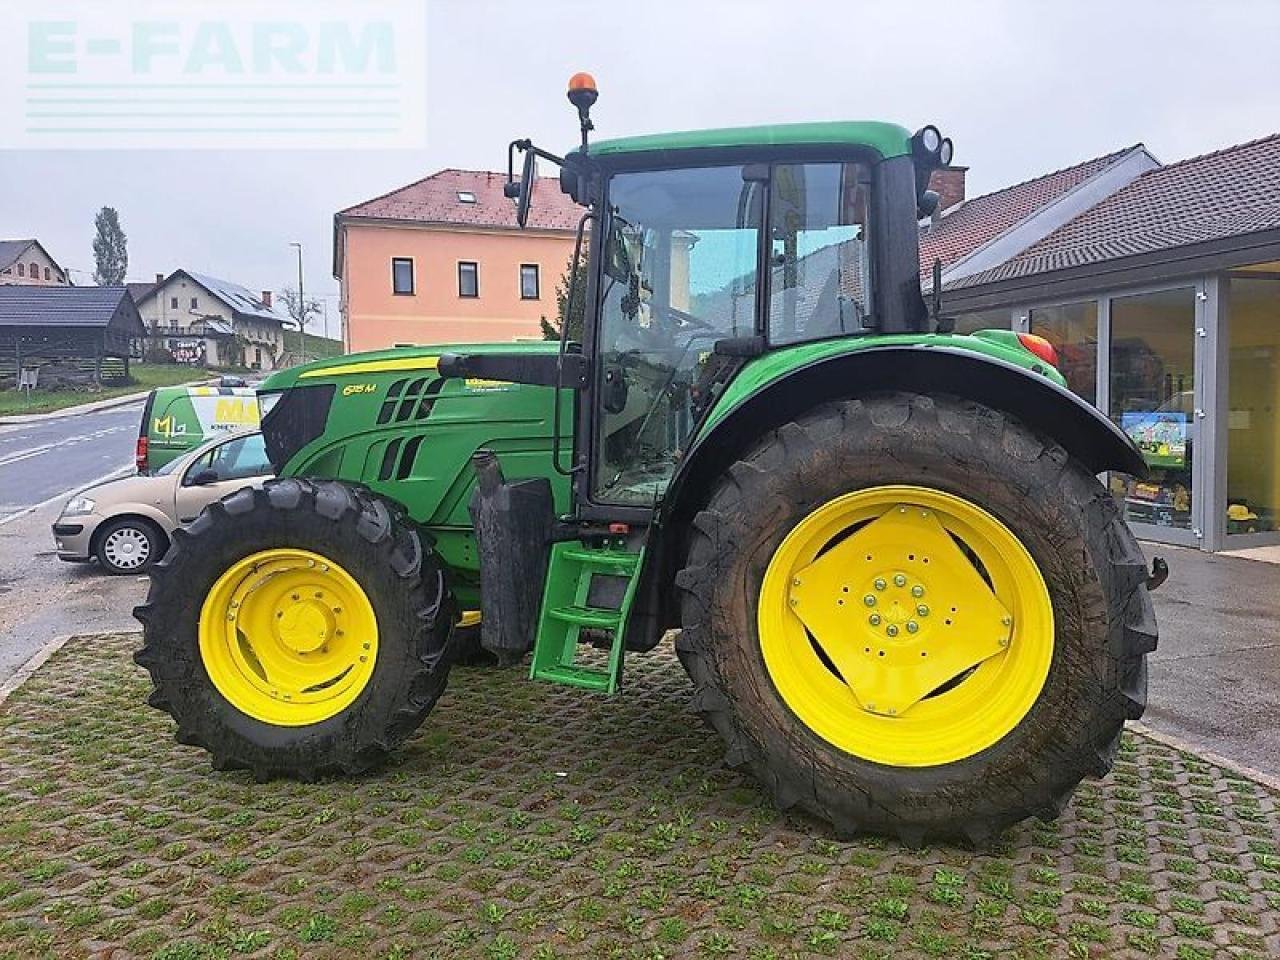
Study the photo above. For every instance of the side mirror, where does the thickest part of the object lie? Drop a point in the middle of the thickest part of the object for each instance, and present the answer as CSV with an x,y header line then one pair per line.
x,y
527,175
205,477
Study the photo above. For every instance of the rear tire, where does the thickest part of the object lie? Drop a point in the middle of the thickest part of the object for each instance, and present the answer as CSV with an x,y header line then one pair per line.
x,y
1103,624
392,564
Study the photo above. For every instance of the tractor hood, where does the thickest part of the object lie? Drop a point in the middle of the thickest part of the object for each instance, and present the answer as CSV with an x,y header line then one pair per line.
x,y
418,357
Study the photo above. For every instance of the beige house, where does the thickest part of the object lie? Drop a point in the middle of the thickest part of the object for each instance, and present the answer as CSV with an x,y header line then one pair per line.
x,y
205,321
442,260
26,262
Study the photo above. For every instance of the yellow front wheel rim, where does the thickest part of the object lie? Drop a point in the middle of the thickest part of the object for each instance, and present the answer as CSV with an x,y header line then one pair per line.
x,y
906,626
288,637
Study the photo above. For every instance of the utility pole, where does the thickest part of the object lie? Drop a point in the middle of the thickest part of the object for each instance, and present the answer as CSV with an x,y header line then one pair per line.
x,y
302,307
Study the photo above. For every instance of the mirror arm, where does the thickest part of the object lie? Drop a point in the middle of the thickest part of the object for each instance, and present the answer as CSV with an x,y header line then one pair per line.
x,y
523,146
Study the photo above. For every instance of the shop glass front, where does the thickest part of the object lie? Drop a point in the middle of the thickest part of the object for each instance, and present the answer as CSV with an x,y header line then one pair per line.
x,y
1152,397
1072,328
1253,423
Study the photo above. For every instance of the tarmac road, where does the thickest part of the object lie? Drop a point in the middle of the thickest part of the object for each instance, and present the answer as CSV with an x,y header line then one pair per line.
x,y
41,465
52,458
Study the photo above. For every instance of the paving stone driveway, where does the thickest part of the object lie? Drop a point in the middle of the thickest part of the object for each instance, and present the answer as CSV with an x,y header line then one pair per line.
x,y
532,821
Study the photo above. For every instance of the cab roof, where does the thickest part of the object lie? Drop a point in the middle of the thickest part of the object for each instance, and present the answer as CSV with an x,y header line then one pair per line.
x,y
887,139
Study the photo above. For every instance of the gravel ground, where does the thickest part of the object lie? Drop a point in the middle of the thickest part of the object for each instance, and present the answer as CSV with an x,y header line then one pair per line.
x,y
534,821
42,597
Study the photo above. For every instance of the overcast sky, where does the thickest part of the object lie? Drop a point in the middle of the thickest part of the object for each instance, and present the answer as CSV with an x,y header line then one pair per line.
x,y
1023,87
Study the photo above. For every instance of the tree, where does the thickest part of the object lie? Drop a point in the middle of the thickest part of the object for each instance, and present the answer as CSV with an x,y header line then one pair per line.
x,y
301,311
569,299
110,249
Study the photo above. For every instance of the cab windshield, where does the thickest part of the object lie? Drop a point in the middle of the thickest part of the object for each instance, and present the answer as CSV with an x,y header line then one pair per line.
x,y
681,270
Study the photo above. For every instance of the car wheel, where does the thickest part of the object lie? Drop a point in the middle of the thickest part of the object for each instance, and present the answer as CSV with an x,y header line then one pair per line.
x,y
128,546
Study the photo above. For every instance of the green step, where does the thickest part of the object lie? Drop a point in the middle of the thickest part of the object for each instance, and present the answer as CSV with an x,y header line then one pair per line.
x,y
603,558
587,617
578,677
565,614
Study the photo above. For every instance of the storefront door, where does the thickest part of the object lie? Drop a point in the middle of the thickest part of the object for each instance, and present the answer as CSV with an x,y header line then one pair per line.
x,y
1154,382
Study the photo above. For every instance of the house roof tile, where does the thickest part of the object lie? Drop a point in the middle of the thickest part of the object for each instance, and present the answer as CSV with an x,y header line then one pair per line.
x,y
434,199
974,223
1227,193
40,306
11,250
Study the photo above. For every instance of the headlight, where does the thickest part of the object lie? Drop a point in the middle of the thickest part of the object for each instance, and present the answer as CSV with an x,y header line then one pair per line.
x,y
78,505
267,401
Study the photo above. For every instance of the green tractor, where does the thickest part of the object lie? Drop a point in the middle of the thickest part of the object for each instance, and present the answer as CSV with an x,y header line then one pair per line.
x,y
903,597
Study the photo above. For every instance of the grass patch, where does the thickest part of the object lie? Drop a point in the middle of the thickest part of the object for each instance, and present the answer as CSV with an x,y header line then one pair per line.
x,y
145,376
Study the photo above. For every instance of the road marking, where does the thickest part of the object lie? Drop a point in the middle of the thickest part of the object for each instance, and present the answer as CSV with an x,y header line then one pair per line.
x,y
24,454
113,475
67,442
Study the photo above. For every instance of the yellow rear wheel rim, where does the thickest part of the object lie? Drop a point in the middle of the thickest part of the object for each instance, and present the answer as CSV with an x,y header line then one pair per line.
x,y
905,626
288,637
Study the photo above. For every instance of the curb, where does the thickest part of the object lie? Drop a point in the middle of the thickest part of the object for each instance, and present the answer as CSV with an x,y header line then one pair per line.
x,y
93,407
1200,753
34,663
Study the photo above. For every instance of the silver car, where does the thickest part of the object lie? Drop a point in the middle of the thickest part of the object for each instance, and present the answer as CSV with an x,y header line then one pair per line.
x,y
125,524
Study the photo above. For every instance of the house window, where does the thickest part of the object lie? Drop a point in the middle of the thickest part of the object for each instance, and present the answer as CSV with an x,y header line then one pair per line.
x,y
22,269
195,303
468,278
466,196
529,286
47,274
173,303
402,276
35,271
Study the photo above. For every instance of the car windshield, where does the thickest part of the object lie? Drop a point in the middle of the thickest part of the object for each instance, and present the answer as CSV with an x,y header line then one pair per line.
x,y
236,459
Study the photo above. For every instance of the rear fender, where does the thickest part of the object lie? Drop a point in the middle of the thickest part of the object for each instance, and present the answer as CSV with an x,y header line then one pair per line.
x,y
1085,433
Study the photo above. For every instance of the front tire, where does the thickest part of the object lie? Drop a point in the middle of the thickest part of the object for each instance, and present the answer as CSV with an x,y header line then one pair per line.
x,y
128,545
788,649
297,630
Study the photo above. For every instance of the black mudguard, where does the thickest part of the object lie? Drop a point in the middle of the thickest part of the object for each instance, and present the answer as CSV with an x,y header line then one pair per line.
x,y
513,525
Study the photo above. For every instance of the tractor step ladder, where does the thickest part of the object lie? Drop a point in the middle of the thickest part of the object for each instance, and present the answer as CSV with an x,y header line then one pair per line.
x,y
578,578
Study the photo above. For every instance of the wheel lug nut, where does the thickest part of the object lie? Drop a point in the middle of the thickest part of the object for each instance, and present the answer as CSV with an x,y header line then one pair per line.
x,y
880,584
912,626
899,580
1006,621
295,596
917,591
923,610
874,619
869,600
891,630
